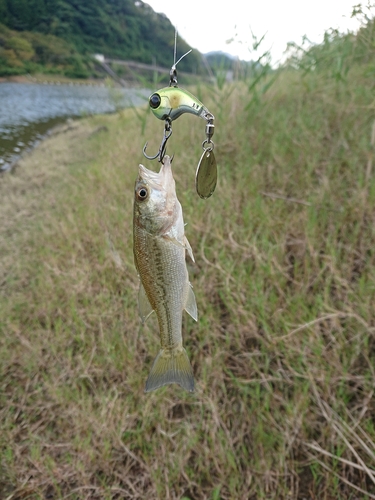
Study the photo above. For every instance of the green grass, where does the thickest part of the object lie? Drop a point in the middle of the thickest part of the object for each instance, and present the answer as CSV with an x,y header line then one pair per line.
x,y
283,352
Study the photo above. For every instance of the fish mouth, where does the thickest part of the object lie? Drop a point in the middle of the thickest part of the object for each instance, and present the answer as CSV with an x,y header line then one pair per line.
x,y
149,176
156,179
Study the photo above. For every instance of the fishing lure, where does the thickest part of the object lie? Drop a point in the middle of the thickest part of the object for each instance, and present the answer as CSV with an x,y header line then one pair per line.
x,y
168,104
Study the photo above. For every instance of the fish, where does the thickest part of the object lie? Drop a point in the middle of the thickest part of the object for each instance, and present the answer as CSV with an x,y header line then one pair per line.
x,y
160,247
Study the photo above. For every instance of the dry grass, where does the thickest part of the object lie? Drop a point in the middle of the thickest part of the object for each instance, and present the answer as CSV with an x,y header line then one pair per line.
x,y
283,352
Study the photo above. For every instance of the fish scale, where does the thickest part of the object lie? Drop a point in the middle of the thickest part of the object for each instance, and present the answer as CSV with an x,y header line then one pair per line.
x,y
161,286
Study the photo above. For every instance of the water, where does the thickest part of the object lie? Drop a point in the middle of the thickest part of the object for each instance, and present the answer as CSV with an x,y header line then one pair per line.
x,y
28,111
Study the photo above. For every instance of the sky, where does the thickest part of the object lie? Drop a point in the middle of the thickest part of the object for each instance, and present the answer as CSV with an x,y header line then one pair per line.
x,y
208,25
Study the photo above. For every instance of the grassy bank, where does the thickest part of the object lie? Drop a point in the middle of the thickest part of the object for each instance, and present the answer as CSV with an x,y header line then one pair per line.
x,y
283,352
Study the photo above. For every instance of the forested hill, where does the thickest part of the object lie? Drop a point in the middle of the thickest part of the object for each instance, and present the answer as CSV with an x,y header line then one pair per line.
x,y
126,29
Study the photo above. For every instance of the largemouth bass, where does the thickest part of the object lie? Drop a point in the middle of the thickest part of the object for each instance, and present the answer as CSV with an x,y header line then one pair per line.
x,y
160,246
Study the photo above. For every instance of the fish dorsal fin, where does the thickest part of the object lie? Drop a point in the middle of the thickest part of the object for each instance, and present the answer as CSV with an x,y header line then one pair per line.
x,y
190,304
144,306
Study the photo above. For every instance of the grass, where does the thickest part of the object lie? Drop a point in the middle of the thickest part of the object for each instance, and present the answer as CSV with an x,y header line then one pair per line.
x,y
283,352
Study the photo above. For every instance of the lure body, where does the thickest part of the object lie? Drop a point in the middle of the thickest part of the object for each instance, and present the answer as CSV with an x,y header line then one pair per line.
x,y
160,246
172,102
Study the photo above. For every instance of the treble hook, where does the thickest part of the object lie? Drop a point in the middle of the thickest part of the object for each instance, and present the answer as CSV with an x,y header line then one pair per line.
x,y
161,153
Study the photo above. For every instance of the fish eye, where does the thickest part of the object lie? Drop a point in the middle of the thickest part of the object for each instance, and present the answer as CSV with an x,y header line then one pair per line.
x,y
142,194
155,101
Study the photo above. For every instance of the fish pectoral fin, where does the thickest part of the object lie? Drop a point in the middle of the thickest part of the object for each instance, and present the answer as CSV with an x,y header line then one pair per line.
x,y
144,306
188,248
191,304
171,366
184,244
173,240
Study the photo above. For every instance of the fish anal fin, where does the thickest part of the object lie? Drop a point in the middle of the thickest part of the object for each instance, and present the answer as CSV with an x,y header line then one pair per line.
x,y
144,307
171,366
191,304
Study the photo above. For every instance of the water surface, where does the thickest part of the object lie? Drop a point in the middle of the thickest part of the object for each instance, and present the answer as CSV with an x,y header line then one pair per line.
x,y
28,111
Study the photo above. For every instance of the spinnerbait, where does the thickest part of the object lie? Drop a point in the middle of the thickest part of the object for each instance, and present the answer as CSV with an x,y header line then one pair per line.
x,y
168,104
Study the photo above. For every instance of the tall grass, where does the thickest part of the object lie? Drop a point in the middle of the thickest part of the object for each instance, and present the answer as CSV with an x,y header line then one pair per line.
x,y
283,352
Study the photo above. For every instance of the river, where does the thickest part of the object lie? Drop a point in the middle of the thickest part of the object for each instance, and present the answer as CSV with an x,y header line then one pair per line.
x,y
29,110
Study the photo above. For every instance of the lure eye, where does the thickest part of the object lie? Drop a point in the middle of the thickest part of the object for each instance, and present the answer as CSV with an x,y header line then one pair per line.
x,y
142,194
155,101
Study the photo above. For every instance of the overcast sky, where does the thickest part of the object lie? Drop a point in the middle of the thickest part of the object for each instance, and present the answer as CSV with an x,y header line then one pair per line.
x,y
207,25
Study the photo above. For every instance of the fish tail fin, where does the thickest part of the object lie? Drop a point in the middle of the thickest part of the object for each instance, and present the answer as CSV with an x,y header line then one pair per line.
x,y
171,366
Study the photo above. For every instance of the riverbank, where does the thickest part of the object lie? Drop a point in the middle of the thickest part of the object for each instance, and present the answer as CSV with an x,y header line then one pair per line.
x,y
283,352
20,188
